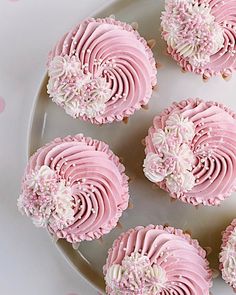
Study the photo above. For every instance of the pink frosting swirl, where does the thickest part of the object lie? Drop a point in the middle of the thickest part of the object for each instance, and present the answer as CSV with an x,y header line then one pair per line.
x,y
180,257
97,180
228,255
214,147
112,50
224,61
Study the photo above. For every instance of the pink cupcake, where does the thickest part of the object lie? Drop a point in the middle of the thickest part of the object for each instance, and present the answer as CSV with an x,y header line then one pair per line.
x,y
101,71
154,260
191,152
228,255
201,34
76,187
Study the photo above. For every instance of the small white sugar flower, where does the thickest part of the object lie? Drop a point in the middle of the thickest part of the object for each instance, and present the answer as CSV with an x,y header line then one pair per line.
x,y
181,126
76,90
178,183
65,66
159,138
154,168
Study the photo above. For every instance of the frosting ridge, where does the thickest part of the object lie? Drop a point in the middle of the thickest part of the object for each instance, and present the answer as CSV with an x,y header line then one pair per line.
x,y
96,178
113,51
214,148
223,60
183,268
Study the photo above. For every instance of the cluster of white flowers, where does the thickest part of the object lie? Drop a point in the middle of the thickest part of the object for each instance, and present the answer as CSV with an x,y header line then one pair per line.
x,y
173,158
136,275
46,199
228,260
79,93
191,29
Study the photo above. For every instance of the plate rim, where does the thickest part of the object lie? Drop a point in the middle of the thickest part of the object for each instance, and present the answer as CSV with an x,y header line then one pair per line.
x,y
61,245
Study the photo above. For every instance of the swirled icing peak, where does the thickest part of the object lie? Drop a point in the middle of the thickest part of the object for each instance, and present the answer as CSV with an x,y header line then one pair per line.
x,y
76,187
206,151
155,260
173,159
228,255
101,71
137,274
191,30
47,199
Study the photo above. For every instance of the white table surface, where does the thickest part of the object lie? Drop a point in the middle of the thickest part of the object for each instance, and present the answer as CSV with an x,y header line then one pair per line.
x,y
29,262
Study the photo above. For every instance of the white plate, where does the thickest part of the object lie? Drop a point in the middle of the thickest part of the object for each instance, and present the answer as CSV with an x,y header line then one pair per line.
x,y
150,205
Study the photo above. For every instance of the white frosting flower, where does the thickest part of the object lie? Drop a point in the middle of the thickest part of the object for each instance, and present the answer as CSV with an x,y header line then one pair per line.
x,y
191,30
173,160
159,138
78,92
218,37
154,168
157,275
228,260
178,183
34,181
199,60
181,126
46,199
65,66
114,275
63,207
135,274
184,158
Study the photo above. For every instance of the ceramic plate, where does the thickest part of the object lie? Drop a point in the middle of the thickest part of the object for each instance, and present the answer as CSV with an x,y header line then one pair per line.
x,y
150,205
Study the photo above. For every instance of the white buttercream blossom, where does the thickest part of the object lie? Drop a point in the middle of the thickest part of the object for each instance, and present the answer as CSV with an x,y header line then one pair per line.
x,y
228,260
154,168
181,127
137,274
46,199
77,91
65,66
178,183
191,30
173,158
159,138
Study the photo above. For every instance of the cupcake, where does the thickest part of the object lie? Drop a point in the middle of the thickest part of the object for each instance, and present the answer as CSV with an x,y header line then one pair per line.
x,y
155,260
200,35
76,187
228,255
101,71
191,152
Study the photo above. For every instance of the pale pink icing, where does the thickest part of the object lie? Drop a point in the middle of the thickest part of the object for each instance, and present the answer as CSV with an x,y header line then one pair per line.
x,y
133,73
215,164
224,61
97,179
183,260
228,251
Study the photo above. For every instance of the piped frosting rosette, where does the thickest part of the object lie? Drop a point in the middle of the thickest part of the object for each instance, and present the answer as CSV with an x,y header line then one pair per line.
x,y
228,255
76,187
191,152
201,34
157,260
101,71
